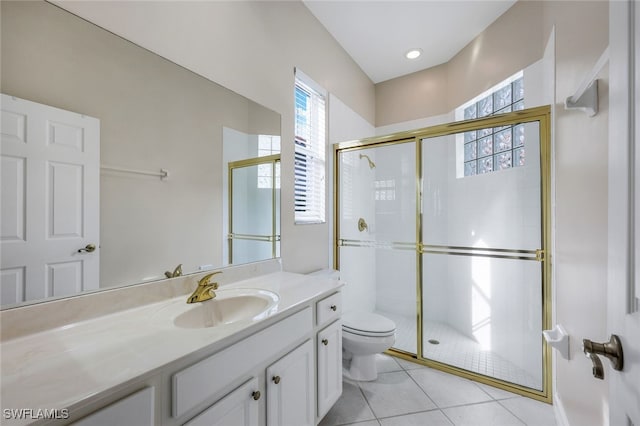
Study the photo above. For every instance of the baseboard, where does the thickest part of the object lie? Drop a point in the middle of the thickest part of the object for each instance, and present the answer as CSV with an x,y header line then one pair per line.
x,y
558,408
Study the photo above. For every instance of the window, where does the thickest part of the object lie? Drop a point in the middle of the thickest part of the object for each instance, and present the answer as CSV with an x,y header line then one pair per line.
x,y
385,190
497,148
268,145
310,143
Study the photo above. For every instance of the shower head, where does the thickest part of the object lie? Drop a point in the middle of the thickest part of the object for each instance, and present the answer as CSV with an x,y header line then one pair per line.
x,y
371,163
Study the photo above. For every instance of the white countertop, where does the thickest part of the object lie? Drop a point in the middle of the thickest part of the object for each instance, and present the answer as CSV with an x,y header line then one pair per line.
x,y
69,366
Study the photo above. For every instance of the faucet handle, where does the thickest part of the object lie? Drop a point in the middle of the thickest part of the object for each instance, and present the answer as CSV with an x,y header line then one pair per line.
x,y
205,280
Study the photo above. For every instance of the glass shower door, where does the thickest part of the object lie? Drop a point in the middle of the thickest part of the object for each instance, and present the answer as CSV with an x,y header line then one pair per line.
x,y
376,234
254,204
482,240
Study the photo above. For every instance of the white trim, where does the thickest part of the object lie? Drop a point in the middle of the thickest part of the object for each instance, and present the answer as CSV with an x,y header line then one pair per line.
x,y
310,82
559,411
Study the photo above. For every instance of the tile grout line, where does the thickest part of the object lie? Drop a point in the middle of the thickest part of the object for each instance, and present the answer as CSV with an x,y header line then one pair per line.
x,y
367,401
514,414
423,391
412,413
441,409
436,407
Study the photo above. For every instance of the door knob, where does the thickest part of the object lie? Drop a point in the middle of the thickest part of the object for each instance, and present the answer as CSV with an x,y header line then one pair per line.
x,y
611,349
256,395
276,379
89,248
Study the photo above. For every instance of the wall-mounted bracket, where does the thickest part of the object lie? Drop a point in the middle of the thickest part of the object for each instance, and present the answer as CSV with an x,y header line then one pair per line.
x,y
586,97
587,102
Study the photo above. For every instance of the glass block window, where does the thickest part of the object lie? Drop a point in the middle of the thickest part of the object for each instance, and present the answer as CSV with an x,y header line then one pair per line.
x,y
497,148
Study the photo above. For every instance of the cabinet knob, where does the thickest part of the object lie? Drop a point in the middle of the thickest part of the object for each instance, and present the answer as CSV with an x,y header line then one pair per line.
x,y
276,379
325,342
334,308
256,395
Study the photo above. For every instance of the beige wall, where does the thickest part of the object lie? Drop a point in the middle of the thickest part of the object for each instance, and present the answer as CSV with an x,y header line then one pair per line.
x,y
153,114
580,261
511,43
250,47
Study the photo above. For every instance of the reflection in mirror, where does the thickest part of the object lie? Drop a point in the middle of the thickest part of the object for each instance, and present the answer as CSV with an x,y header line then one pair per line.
x,y
254,193
136,135
251,193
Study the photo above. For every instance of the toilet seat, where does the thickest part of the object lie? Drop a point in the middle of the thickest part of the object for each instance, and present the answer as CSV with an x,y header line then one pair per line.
x,y
367,324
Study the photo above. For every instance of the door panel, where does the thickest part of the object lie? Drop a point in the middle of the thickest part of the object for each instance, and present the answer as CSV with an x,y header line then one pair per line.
x,y
65,200
482,233
623,291
13,199
377,234
50,201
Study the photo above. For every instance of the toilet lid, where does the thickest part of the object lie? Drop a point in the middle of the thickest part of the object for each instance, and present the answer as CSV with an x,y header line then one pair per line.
x,y
367,324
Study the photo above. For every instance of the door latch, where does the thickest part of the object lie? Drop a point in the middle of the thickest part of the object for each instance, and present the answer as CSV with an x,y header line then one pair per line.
x,y
611,349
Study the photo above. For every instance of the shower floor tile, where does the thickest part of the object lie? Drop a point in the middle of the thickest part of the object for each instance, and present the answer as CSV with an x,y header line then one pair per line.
x,y
458,350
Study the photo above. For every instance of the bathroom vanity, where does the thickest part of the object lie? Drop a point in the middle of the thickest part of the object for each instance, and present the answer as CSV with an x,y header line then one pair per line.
x,y
279,364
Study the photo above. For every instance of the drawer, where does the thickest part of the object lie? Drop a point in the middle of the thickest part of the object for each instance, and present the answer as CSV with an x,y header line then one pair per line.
x,y
329,308
194,385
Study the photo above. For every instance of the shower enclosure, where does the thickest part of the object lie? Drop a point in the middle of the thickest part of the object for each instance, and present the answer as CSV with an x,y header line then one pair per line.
x,y
444,230
254,209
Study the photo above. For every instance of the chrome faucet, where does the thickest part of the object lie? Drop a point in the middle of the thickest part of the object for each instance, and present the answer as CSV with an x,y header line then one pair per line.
x,y
205,289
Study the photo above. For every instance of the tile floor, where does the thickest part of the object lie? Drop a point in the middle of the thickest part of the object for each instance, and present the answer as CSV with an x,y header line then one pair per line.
x,y
409,394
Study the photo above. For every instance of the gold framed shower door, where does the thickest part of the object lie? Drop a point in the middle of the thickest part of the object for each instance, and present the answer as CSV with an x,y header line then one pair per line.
x,y
541,115
274,236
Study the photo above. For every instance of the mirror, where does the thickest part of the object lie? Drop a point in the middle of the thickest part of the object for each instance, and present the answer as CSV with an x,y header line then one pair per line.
x,y
152,116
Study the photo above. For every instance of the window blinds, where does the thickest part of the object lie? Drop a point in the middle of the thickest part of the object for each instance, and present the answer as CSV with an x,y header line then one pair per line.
x,y
310,143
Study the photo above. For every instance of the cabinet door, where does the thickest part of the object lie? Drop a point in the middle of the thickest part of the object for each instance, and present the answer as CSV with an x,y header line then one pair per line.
x,y
239,408
290,396
136,409
329,367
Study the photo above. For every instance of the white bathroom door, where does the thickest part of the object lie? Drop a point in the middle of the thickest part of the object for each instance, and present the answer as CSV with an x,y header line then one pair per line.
x,y
623,281
50,201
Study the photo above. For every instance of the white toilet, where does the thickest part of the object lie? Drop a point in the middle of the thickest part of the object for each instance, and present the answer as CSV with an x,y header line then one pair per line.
x,y
365,334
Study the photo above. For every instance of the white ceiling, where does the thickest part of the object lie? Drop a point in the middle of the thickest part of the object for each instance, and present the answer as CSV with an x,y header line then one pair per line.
x,y
377,34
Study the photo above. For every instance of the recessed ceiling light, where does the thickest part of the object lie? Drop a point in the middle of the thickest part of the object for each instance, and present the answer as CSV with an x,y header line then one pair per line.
x,y
413,53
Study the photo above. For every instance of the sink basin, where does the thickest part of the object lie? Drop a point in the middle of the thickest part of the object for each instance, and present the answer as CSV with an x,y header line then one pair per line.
x,y
229,306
